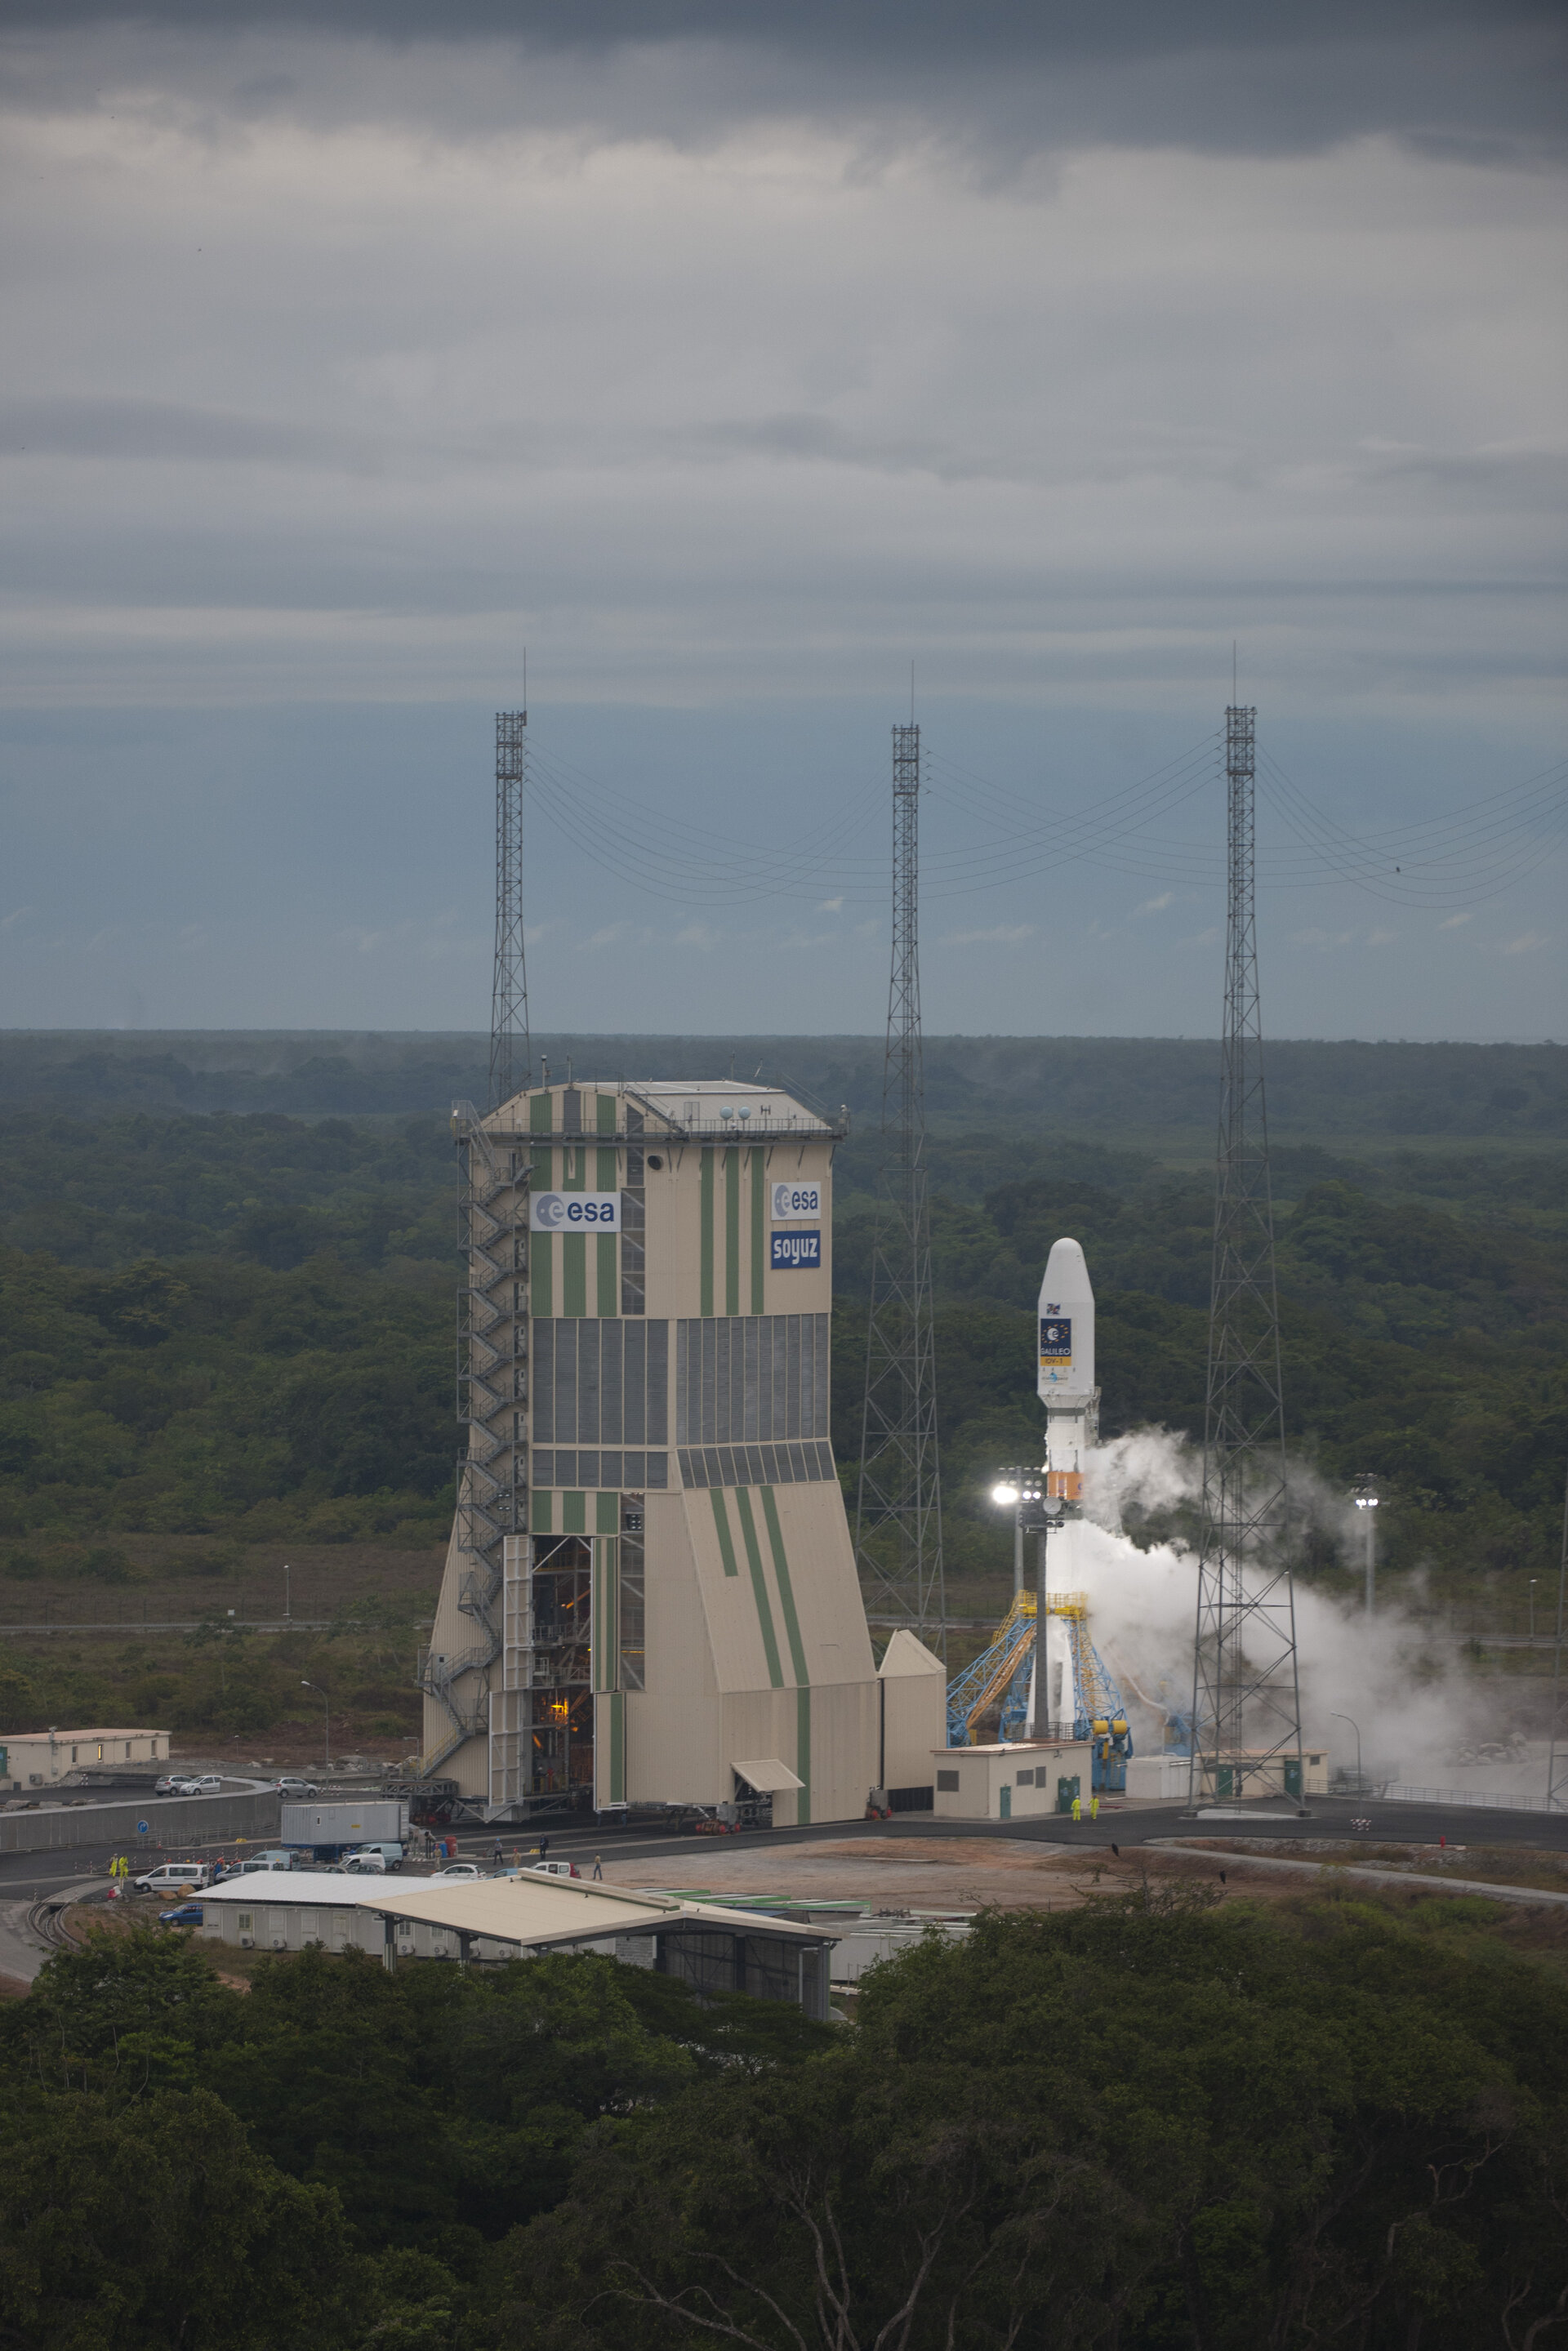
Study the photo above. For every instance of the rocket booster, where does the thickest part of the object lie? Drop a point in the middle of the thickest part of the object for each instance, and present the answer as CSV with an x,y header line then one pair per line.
x,y
1066,1330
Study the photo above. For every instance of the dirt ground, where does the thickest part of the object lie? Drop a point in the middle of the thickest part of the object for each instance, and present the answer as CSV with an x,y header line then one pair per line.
x,y
915,1873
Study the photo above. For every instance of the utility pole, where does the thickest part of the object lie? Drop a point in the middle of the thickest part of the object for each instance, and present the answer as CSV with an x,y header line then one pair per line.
x,y
898,1508
1557,1750
511,1058
1247,1708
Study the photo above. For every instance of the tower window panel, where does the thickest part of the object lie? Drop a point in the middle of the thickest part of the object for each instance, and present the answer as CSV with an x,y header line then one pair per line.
x,y
657,1472
588,1345
544,1383
612,1346
566,1335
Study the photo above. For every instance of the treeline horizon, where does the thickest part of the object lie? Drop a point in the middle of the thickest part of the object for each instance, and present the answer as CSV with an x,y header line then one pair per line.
x,y
1320,1088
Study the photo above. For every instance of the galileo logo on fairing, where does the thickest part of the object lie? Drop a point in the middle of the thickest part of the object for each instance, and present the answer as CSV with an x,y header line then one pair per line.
x,y
575,1212
1056,1345
792,1251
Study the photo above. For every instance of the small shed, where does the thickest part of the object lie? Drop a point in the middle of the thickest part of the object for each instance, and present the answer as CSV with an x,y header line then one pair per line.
x,y
1021,1780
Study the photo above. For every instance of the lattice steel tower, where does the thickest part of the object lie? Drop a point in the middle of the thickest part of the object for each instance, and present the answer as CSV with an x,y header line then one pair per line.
x,y
898,1509
1247,1712
511,1058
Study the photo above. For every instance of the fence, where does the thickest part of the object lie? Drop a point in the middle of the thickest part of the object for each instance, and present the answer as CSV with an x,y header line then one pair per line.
x,y
173,1820
1401,1794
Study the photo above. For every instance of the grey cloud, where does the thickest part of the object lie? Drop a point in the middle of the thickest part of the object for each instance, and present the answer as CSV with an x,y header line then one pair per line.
x,y
112,428
998,85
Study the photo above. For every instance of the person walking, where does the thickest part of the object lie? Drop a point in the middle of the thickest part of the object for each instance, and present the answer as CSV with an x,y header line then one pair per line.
x,y
1093,1808
497,1857
544,1848
598,1866
1078,1808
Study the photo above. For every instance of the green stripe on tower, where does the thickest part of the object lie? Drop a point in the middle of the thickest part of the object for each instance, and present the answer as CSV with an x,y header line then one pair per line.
x,y
804,1756
758,1228
604,1114
786,1589
541,1247
541,1115
721,1527
607,1253
705,1193
732,1232
760,1587
617,1705
574,1273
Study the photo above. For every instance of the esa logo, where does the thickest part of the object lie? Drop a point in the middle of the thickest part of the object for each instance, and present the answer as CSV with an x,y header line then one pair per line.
x,y
575,1212
793,1251
793,1202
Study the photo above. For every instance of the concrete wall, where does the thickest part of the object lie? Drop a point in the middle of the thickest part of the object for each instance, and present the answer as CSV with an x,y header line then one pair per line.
x,y
174,1822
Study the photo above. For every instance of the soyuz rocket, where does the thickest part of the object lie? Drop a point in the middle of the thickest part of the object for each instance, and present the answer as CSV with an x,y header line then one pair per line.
x,y
1066,1383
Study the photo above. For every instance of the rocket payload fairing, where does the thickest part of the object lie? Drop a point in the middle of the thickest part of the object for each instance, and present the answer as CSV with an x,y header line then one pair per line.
x,y
1067,1387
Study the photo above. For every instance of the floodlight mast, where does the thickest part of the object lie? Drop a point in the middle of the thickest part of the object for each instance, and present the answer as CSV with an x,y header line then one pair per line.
x,y
1247,1708
898,1507
511,1056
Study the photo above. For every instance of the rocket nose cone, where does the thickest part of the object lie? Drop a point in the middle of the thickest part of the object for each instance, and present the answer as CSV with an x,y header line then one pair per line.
x,y
1067,1273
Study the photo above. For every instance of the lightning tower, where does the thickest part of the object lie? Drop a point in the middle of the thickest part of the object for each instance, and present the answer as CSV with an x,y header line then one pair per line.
x,y
1245,1688
510,1054
898,1509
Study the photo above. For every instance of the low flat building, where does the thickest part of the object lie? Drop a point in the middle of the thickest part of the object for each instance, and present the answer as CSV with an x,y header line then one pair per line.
x,y
41,1759
520,1915
1017,1780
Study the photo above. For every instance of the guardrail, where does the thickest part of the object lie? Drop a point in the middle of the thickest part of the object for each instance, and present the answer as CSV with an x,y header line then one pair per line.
x,y
171,1821
1400,1793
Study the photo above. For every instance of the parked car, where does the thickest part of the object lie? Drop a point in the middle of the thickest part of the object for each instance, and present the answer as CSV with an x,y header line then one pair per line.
x,y
390,1853
174,1876
167,1786
209,1784
182,1784
551,1869
188,1914
277,1857
460,1869
301,1790
363,1865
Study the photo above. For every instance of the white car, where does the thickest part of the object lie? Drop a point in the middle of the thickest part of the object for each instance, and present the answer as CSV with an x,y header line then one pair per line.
x,y
301,1790
461,1869
184,1786
172,1876
209,1784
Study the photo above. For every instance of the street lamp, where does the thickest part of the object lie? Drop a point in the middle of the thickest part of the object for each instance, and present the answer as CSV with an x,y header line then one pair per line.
x,y
1533,1612
287,1595
1366,1500
326,1722
1007,1494
1360,1783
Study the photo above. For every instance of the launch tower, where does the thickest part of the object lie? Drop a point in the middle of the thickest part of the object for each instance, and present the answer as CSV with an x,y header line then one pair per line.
x,y
898,1509
1247,1712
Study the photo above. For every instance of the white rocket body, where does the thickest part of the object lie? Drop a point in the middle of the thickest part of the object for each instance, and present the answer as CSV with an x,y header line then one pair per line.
x,y
1071,1401
1066,1335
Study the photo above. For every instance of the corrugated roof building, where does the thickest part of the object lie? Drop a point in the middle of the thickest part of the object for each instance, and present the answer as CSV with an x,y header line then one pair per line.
x,y
650,1594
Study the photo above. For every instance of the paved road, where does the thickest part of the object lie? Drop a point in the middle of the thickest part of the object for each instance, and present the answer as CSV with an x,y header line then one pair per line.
x,y
1462,1824
27,1875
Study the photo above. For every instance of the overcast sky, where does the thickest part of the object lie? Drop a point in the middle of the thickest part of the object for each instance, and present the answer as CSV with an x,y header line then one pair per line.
x,y
731,358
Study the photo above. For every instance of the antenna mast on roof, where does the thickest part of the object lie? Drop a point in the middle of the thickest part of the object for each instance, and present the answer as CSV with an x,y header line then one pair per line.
x,y
511,1058
1247,1705
898,1509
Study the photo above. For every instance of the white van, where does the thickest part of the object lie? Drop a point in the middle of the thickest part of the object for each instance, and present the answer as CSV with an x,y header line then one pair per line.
x,y
170,1877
